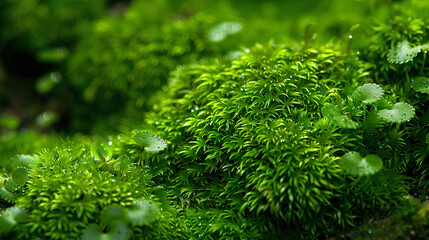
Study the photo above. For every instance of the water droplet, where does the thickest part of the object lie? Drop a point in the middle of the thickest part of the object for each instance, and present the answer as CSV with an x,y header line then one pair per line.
x,y
350,36
110,143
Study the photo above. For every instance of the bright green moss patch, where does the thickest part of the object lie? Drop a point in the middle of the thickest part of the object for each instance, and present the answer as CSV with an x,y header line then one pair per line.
x,y
251,132
318,134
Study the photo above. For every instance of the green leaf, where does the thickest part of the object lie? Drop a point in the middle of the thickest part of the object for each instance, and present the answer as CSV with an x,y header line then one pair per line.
x,y
118,231
10,217
20,175
219,32
353,163
400,113
111,214
12,186
421,84
334,116
403,53
151,142
143,213
93,233
6,195
21,160
368,93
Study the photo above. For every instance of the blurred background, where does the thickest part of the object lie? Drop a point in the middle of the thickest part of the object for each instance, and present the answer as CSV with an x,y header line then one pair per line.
x,y
88,68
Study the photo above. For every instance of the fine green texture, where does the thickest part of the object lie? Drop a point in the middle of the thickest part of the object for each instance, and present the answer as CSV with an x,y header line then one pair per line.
x,y
251,132
355,164
168,119
70,186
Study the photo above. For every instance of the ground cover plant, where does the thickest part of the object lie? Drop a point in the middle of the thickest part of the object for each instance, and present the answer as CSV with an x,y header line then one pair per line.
x,y
214,120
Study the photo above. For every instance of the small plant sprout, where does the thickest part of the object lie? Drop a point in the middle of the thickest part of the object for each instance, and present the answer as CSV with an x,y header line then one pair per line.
x,y
403,53
151,142
368,93
334,116
354,164
19,167
400,113
421,84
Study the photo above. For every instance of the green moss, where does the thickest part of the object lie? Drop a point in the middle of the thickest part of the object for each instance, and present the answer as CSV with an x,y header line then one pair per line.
x,y
248,136
69,188
396,55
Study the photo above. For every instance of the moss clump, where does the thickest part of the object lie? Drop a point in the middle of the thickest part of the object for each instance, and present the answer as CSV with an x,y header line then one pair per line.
x,y
69,189
247,140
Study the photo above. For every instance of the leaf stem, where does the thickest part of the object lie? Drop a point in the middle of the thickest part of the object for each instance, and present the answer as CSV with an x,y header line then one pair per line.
x,y
423,63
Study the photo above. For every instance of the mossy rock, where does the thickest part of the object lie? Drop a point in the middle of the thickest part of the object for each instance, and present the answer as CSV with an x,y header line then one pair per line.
x,y
251,132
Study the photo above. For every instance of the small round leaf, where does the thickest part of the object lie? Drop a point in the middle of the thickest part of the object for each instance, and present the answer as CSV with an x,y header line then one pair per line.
x,y
354,164
368,93
20,175
421,84
6,195
21,160
403,53
334,116
151,142
112,213
10,217
400,113
144,212
93,232
12,186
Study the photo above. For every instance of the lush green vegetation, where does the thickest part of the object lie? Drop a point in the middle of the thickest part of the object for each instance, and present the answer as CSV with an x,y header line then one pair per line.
x,y
214,119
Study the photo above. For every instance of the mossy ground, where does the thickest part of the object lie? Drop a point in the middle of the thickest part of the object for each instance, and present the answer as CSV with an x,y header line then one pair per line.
x,y
214,120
